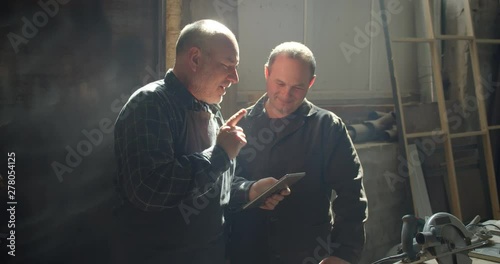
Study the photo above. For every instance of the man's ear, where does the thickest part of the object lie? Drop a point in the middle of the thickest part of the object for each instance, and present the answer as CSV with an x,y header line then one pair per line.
x,y
194,58
311,82
266,71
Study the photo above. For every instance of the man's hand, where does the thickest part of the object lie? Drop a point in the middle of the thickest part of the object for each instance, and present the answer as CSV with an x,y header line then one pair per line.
x,y
333,260
263,184
231,137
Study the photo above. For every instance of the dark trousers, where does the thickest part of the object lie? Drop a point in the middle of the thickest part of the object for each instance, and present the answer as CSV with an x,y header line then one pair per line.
x,y
129,251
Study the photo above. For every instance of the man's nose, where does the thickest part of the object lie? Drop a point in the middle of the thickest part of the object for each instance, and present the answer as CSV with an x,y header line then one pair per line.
x,y
287,91
233,76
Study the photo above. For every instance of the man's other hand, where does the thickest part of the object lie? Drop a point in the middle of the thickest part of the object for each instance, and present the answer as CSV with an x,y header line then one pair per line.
x,y
231,137
263,184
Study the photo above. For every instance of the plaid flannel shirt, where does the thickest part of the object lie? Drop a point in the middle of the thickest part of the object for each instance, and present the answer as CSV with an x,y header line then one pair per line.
x,y
153,174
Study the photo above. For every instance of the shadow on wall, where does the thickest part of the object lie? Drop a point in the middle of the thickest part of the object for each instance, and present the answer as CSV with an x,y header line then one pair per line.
x,y
67,67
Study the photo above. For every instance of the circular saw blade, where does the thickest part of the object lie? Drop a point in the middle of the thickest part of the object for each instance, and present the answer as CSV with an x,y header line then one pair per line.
x,y
452,239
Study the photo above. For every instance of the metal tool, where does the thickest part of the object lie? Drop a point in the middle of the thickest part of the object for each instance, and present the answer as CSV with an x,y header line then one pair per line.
x,y
446,239
443,237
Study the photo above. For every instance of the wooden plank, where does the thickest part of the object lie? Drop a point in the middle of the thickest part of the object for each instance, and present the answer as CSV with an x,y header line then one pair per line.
x,y
454,37
428,20
436,67
400,119
422,203
173,27
493,127
425,134
412,40
488,157
467,134
468,18
488,41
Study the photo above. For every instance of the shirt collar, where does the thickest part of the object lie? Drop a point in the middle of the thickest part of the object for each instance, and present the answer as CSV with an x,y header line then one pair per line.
x,y
305,109
174,86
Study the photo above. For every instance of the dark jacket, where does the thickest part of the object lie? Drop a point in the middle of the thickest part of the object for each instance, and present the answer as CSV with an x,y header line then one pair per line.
x,y
300,229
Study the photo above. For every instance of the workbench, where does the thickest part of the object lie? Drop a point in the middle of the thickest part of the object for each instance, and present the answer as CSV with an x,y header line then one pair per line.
x,y
494,247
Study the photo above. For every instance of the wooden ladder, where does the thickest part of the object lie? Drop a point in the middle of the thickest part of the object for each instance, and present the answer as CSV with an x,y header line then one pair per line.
x,y
432,39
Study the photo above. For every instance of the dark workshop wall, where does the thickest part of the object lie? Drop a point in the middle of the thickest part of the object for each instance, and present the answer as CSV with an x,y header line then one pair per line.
x,y
66,68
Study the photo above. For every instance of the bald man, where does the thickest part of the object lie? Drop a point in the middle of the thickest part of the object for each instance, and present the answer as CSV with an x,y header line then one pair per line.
x,y
175,156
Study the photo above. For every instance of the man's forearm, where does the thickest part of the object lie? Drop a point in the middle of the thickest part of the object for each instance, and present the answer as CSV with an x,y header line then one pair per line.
x,y
161,185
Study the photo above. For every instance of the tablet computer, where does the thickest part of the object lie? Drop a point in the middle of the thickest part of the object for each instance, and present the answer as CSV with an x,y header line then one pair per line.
x,y
283,183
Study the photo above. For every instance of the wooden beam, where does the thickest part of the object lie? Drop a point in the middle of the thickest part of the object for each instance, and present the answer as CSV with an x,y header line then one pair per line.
x,y
467,134
422,203
412,40
454,37
425,134
436,67
488,41
173,16
488,157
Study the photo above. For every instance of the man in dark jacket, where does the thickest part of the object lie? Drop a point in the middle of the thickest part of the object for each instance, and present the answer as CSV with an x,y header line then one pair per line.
x,y
286,133
175,156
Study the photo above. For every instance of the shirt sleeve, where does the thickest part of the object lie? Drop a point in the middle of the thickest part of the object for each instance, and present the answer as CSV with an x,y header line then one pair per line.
x,y
345,175
151,176
240,190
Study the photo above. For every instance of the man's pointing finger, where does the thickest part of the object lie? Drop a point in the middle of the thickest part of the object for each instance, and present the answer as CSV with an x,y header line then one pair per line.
x,y
233,120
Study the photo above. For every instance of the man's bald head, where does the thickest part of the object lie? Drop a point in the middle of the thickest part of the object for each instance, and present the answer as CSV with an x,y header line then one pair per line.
x,y
207,57
201,34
